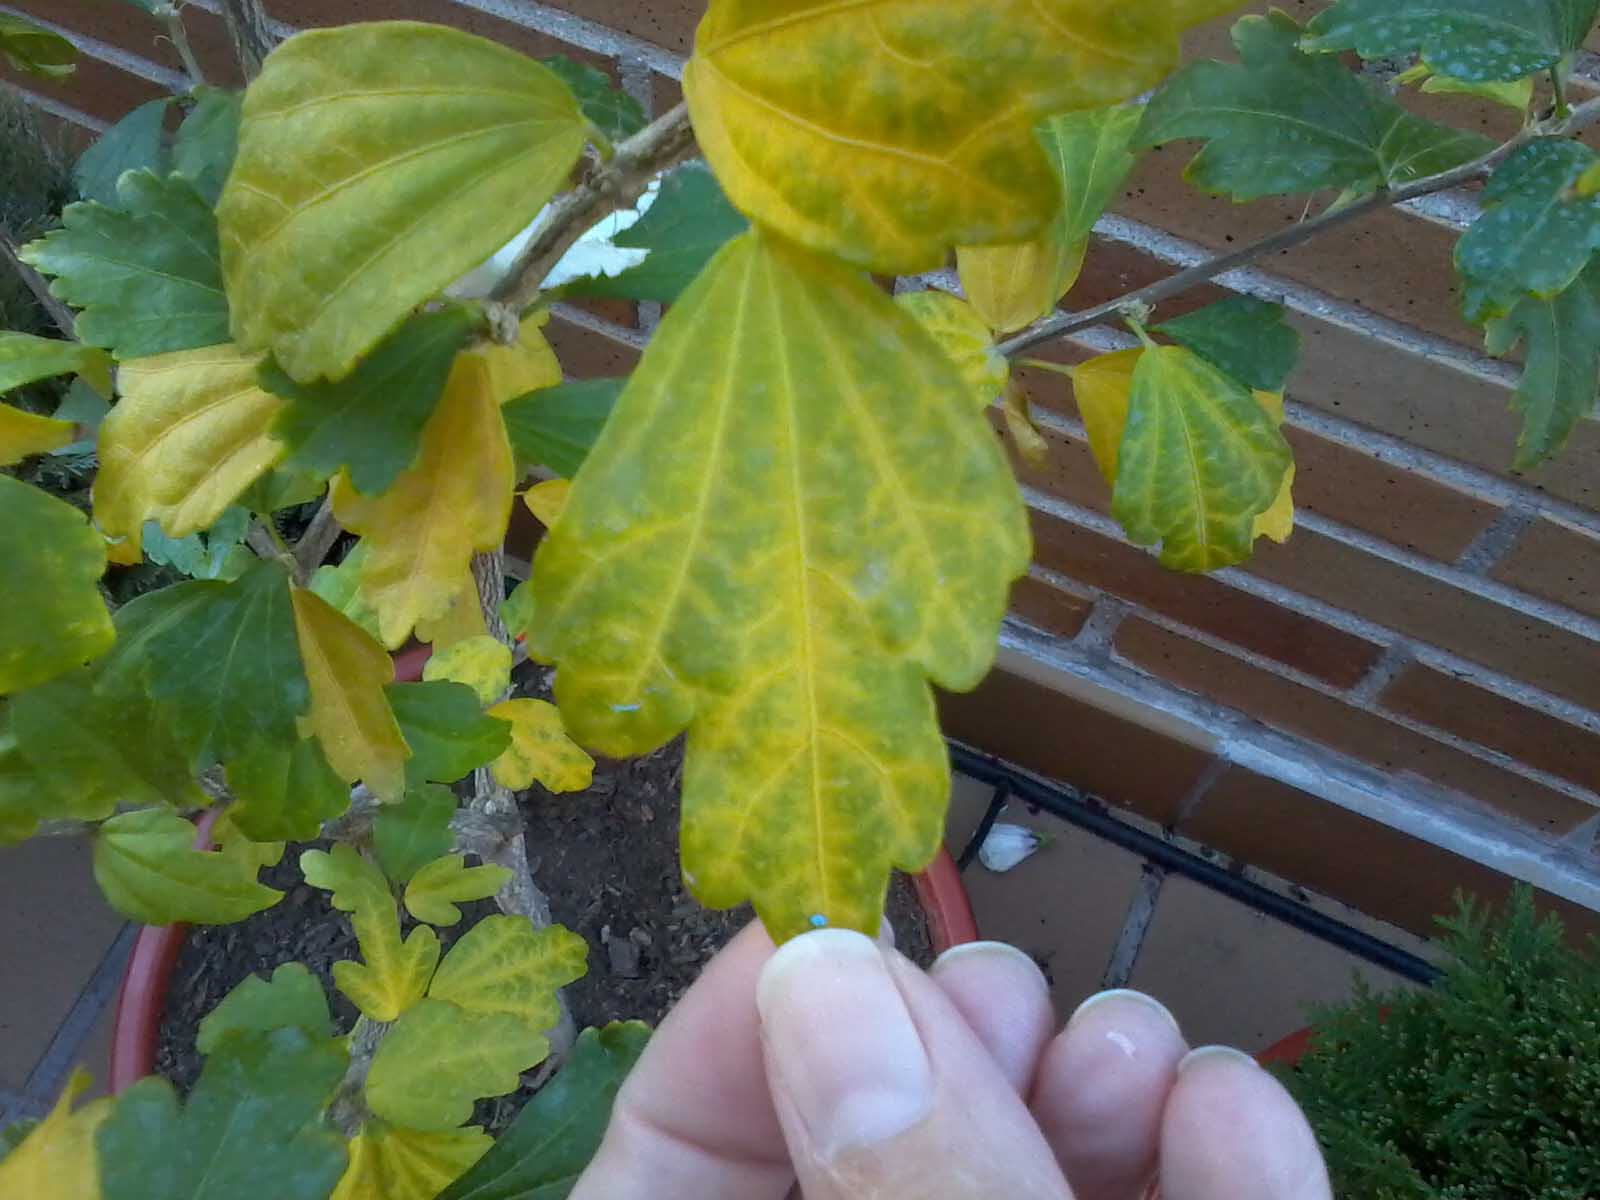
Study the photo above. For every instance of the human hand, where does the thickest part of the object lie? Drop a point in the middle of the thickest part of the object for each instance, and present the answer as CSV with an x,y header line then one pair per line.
x,y
837,1062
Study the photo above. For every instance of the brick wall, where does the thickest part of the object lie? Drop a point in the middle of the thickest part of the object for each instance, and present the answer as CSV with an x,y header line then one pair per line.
x,y
1402,700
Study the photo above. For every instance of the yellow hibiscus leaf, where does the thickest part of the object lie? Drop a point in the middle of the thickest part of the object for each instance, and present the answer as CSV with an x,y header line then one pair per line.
x,y
483,663
347,671
1014,285
545,500
887,131
188,436
24,433
527,365
1024,433
504,965
377,162
58,1159
1102,386
1277,522
461,619
388,1162
964,337
540,749
796,518
455,500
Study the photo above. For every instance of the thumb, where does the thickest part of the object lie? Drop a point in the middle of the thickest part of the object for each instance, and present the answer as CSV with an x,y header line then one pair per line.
x,y
882,1089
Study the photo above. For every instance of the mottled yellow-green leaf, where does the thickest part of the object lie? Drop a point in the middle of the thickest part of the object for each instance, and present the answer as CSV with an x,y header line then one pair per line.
x,y
545,500
796,518
438,1060
350,715
1277,522
483,663
146,865
1200,460
1015,284
394,974
388,1162
540,749
964,337
504,965
438,886
344,871
886,132
57,1160
189,435
422,532
24,433
378,162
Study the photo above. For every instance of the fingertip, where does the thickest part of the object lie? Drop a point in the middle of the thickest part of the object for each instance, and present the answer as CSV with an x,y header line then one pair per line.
x,y
1004,998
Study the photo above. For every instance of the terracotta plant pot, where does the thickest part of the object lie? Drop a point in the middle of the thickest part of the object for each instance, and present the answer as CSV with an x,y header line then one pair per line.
x,y
143,994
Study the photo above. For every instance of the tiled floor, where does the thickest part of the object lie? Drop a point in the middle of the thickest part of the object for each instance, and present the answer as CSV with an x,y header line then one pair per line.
x,y
1228,973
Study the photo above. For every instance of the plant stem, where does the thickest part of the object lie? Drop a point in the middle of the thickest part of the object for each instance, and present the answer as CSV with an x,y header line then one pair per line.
x,y
615,184
1060,324
251,33
172,18
35,283
318,538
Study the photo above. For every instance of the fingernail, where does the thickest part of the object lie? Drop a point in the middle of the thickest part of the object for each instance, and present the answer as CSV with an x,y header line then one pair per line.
x,y
1215,1054
841,1045
1131,997
996,952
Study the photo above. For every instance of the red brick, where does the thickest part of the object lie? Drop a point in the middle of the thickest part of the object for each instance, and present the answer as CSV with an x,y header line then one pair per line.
x,y
1048,607
585,354
1557,562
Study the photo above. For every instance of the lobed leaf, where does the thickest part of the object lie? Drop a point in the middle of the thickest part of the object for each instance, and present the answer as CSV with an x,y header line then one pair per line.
x,y
1282,121
54,617
146,865
146,273
189,437
286,793
797,516
348,670
542,1153
557,426
391,1163
540,749
1245,338
546,500
378,162
414,832
832,125
447,730
438,886
394,974
438,1060
963,335
291,999
135,143
1089,154
482,663
1475,40
352,879
56,1159
504,965
610,109
256,1094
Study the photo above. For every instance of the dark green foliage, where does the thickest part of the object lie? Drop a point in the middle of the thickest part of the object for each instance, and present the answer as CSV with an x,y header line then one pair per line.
x,y
1485,1088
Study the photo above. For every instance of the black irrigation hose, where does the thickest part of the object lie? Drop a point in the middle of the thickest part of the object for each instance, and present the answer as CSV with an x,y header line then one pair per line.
x,y
1059,803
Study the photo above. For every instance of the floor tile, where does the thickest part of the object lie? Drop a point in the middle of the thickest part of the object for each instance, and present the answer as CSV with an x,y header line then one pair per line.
x,y
1233,976
95,1056
54,930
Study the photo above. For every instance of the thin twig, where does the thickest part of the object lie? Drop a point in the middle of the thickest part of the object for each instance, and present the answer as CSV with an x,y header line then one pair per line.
x,y
251,33
35,283
318,538
615,184
1060,324
172,18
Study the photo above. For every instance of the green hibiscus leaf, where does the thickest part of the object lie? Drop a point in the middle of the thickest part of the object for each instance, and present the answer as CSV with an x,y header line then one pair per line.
x,y
557,1132
1535,235
25,358
414,832
1561,379
146,864
517,610
688,222
614,113
447,730
1475,40
285,794
370,423
208,140
377,163
252,1127
556,427
220,659
1200,460
291,999
35,49
1247,338
146,274
134,143
54,617
1282,121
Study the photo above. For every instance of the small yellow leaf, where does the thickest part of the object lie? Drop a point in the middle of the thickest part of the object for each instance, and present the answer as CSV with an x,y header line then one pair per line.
x,y
350,715
188,436
964,337
1019,423
462,619
24,433
388,1162
527,365
1012,286
58,1159
1103,387
394,974
454,501
438,886
1277,522
483,663
545,500
540,749
504,965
